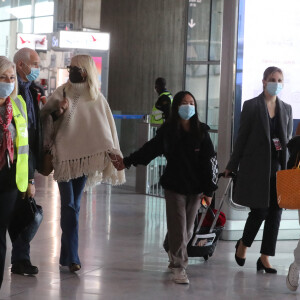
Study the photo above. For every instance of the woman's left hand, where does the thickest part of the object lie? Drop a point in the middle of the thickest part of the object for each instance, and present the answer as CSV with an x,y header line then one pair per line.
x,y
207,199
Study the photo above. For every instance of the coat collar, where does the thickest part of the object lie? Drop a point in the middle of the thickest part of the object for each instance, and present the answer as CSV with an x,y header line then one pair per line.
x,y
264,116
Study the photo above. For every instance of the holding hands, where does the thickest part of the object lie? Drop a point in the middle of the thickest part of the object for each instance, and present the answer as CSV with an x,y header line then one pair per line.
x,y
117,161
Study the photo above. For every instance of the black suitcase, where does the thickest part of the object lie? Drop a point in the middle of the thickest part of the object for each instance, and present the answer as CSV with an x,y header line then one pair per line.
x,y
204,239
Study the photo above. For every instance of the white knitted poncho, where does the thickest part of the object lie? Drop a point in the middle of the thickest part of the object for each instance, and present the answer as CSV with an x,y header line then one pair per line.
x,y
81,139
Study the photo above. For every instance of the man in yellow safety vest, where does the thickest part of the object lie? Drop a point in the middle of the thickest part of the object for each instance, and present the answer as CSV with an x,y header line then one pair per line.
x,y
162,107
27,65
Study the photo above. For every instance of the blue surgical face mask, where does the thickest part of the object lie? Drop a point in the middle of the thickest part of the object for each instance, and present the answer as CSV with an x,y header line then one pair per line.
x,y
186,111
6,88
274,88
34,74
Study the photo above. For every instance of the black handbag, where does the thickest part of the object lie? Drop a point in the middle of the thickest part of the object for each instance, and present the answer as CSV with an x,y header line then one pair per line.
x,y
25,220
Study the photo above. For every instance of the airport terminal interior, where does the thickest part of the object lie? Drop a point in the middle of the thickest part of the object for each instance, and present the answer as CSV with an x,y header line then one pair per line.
x,y
217,50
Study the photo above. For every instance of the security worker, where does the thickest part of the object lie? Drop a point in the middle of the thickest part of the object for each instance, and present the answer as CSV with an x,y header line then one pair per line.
x,y
162,107
27,64
14,150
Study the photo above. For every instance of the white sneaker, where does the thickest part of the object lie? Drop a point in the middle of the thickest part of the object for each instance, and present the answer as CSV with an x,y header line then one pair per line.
x,y
292,278
180,276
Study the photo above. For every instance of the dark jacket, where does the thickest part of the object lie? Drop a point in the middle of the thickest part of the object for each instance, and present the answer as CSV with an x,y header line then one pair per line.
x,y
191,164
164,104
35,137
251,156
294,150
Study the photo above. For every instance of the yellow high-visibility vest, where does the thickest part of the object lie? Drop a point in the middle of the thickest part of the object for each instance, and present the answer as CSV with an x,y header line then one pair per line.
x,y
157,115
22,146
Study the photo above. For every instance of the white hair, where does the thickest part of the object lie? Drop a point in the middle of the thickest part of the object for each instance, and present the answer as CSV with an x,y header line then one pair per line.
x,y
87,63
5,64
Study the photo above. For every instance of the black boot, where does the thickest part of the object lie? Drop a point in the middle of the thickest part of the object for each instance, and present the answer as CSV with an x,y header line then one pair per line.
x,y
24,267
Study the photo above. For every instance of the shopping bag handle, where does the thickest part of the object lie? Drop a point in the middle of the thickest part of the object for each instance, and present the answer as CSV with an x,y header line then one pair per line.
x,y
297,160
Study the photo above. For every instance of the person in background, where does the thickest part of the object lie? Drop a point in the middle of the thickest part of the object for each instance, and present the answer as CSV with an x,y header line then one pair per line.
x,y
162,108
190,174
41,96
259,151
27,64
84,145
292,279
13,150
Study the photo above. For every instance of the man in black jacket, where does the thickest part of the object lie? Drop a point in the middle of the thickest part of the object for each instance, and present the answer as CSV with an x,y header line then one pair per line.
x,y
27,63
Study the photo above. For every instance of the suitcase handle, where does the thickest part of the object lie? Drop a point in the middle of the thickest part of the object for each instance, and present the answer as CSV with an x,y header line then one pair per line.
x,y
231,175
216,215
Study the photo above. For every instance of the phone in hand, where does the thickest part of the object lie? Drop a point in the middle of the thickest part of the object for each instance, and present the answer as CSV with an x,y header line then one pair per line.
x,y
64,93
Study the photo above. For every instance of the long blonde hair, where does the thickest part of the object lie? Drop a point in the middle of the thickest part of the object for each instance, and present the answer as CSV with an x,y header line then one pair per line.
x,y
87,63
5,64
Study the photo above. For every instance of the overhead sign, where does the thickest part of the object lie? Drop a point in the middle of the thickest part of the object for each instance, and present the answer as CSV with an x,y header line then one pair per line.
x,y
64,26
32,41
84,40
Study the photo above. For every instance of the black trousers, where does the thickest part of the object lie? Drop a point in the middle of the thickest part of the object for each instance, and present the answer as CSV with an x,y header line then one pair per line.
x,y
8,197
272,218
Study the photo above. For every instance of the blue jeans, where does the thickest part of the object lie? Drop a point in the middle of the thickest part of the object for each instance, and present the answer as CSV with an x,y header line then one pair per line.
x,y
70,195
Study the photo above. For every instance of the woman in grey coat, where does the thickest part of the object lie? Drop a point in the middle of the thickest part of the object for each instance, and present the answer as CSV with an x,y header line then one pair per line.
x,y
259,152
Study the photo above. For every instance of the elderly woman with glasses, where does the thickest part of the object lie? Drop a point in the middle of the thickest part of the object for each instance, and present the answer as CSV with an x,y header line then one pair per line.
x,y
84,145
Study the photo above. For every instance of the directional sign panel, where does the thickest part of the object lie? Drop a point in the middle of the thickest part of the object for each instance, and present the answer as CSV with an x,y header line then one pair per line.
x,y
32,41
84,40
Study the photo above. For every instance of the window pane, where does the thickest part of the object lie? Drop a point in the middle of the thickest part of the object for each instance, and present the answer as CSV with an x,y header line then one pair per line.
x,y
25,26
196,83
198,30
213,97
43,25
21,10
43,8
9,10
216,29
8,38
24,2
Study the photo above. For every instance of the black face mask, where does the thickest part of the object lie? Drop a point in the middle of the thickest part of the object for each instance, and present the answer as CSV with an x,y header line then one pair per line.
x,y
75,75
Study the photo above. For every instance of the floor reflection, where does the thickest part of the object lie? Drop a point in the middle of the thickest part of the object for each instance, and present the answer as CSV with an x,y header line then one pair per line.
x,y
120,247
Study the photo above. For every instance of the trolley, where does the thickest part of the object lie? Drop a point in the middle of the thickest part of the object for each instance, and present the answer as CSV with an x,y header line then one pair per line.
x,y
208,228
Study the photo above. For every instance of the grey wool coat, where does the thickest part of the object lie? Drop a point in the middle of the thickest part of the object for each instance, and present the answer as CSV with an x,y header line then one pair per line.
x,y
251,156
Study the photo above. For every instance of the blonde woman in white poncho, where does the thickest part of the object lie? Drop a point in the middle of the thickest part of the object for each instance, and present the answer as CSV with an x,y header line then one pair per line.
x,y
80,133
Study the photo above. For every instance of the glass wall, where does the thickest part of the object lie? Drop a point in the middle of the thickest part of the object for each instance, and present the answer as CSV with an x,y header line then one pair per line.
x,y
25,16
203,50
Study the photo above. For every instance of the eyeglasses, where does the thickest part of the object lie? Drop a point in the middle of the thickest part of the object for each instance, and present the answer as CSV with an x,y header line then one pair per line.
x,y
70,68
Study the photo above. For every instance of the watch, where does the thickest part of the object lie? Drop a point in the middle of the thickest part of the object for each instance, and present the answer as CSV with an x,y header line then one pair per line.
x,y
31,181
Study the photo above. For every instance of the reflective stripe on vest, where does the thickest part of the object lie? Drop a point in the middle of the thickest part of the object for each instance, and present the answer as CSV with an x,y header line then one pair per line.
x,y
157,115
167,94
20,118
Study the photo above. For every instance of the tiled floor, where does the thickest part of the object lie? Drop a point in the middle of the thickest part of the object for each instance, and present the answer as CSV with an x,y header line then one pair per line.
x,y
122,257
